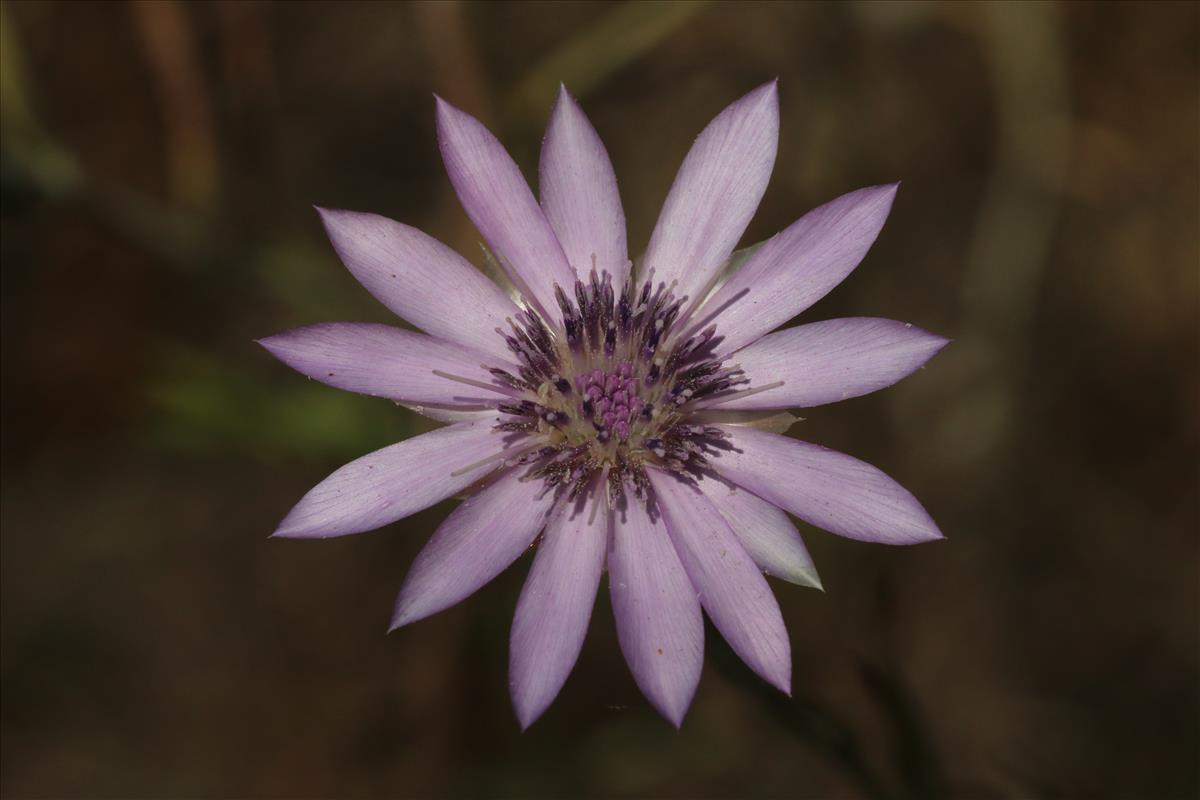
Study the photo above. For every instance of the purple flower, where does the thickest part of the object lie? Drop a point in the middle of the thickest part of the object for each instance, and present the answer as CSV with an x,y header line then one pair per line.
x,y
625,417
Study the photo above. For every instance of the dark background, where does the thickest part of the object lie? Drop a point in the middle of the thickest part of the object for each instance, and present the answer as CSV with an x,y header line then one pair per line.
x,y
159,164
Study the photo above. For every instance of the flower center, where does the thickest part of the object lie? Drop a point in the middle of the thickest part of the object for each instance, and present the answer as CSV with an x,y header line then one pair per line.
x,y
610,400
614,388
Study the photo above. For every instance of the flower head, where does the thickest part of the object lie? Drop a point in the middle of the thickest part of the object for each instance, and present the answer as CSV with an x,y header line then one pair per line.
x,y
624,415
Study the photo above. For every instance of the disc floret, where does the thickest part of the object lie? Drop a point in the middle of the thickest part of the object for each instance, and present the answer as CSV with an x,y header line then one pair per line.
x,y
613,386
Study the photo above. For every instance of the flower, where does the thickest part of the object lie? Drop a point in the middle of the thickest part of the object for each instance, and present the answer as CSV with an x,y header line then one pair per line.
x,y
626,417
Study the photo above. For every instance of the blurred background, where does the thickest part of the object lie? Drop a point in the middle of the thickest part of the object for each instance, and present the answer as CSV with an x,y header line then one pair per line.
x,y
160,161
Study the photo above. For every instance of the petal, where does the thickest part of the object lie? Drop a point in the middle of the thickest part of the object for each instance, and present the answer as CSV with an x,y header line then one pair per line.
x,y
658,618
498,200
824,362
386,362
420,279
824,488
732,590
475,544
555,606
765,532
799,266
579,193
394,482
715,193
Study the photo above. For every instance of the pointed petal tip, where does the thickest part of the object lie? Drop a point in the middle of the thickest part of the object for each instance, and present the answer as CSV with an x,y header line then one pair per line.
x,y
272,344
781,680
566,108
284,532
673,709
444,111
935,342
527,715
330,216
445,108
809,579
768,91
402,614
563,103
881,193
933,531
932,534
290,528
936,345
884,190
675,717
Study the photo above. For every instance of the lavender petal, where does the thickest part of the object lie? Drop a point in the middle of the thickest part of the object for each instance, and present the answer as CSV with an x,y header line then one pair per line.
x,y
579,193
473,545
733,591
498,200
659,624
765,532
800,265
825,488
715,193
383,361
552,614
420,279
394,482
824,362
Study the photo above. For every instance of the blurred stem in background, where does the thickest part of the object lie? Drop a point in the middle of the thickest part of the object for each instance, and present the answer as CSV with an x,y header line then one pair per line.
x,y
914,761
1017,217
586,60
183,99
27,145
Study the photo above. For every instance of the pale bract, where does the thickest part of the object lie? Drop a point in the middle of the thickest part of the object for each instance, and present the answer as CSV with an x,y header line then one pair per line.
x,y
624,418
